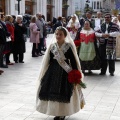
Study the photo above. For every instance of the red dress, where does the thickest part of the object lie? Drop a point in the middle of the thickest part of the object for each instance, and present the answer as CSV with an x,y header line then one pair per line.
x,y
10,28
8,45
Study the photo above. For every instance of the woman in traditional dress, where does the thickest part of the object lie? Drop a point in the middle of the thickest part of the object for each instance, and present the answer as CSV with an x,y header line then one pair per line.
x,y
115,20
73,25
56,96
87,48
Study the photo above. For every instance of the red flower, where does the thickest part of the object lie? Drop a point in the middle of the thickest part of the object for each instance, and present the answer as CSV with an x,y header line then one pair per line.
x,y
74,77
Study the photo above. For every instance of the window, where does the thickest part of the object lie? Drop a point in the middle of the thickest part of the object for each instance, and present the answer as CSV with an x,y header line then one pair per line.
x,y
27,7
94,5
98,5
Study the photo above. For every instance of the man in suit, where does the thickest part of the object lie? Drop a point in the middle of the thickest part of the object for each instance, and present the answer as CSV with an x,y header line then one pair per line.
x,y
107,43
40,24
88,16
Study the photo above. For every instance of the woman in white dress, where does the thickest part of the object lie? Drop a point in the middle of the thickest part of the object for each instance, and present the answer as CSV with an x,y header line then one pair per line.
x,y
56,96
115,20
73,25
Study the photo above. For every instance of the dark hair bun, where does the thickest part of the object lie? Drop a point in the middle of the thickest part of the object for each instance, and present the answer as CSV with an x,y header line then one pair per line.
x,y
62,29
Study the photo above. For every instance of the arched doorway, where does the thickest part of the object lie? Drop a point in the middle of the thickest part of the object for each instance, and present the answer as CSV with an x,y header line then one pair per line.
x,y
2,6
49,10
29,7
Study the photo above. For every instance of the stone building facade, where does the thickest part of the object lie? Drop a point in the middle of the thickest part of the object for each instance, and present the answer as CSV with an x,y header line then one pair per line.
x,y
49,8
96,5
53,8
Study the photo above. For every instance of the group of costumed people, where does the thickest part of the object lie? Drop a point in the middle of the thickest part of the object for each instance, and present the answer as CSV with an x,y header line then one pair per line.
x,y
86,43
71,52
96,48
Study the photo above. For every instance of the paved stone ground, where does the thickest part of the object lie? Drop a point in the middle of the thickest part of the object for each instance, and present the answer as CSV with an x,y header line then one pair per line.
x,y
17,93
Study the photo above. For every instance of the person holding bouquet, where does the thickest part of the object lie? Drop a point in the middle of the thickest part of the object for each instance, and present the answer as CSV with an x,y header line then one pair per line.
x,y
59,85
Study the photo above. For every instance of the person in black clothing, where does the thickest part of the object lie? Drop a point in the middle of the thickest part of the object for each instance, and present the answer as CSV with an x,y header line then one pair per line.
x,y
58,23
53,23
19,42
88,16
4,34
2,43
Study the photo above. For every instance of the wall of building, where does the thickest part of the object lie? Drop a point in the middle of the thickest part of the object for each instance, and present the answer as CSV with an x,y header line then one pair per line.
x,y
41,6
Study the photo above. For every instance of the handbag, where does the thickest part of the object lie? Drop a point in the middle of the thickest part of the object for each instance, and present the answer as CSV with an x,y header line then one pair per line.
x,y
8,39
25,37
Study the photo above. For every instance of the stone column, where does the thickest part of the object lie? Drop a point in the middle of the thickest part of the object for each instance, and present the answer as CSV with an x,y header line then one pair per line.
x,y
22,7
58,8
7,7
71,8
35,7
12,7
42,7
53,8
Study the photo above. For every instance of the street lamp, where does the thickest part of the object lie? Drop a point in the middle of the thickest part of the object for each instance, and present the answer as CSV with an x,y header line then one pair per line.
x,y
87,5
18,6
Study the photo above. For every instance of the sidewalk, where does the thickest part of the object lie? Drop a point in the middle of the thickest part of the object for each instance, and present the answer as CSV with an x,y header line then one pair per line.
x,y
18,90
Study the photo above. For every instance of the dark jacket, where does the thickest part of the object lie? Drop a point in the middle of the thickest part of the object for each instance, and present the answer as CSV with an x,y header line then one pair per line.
x,y
57,24
3,33
92,22
19,43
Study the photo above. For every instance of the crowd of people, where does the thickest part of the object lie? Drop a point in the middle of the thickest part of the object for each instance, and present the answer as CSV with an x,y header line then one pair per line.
x,y
77,44
80,45
11,40
96,45
13,36
96,40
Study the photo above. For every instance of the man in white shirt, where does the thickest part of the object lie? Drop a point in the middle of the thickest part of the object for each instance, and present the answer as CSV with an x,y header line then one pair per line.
x,y
98,21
